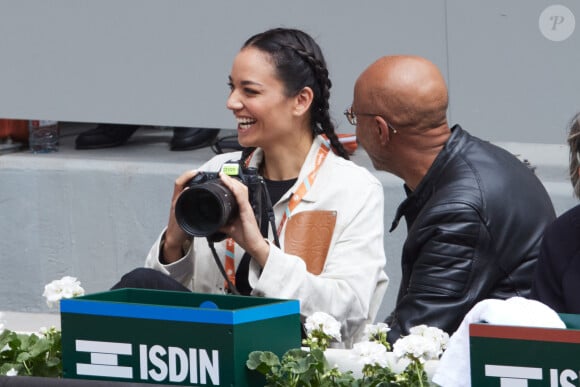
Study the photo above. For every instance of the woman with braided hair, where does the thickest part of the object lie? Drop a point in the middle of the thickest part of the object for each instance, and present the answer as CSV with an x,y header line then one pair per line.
x,y
324,245
557,280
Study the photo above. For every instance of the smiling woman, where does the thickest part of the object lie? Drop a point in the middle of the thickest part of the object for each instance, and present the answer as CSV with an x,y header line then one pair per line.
x,y
317,235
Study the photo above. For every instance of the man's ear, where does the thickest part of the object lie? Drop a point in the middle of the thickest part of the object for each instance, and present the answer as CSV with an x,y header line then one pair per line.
x,y
303,100
382,129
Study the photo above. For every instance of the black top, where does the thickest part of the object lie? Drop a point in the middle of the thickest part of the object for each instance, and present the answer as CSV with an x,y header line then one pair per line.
x,y
276,189
557,279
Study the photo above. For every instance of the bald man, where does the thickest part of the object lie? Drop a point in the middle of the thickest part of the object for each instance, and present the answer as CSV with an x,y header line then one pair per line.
x,y
475,214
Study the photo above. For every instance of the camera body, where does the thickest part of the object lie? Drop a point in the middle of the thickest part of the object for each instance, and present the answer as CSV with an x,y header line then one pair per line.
x,y
207,204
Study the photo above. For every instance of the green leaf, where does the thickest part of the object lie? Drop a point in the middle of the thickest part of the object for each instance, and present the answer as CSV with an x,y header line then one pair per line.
x,y
23,356
53,361
294,355
31,354
6,336
302,365
39,347
254,360
270,359
263,362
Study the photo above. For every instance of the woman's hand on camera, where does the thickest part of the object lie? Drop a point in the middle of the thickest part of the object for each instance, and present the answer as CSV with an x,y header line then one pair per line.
x,y
175,237
244,228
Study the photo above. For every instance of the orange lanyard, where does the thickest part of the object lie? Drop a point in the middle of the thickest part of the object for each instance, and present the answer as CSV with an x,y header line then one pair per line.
x,y
294,201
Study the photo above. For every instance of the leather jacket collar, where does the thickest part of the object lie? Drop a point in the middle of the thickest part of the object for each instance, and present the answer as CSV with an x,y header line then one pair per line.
x,y
416,199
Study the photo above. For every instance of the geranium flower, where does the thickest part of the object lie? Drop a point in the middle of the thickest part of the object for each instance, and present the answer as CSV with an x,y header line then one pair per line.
x,y
66,287
374,330
378,333
417,347
434,333
370,353
325,322
439,337
403,367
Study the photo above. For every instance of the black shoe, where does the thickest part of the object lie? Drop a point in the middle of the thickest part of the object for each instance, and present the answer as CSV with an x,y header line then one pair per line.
x,y
105,136
192,138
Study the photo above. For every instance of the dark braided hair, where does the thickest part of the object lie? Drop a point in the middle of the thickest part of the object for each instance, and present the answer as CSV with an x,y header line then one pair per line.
x,y
574,144
299,63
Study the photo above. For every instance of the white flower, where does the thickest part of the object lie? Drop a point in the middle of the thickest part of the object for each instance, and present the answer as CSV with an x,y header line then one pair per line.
x,y
418,347
2,322
371,331
11,372
398,365
370,352
439,337
418,330
66,287
43,331
324,322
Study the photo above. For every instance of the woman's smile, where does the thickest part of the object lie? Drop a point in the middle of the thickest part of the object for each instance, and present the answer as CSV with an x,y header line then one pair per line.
x,y
245,123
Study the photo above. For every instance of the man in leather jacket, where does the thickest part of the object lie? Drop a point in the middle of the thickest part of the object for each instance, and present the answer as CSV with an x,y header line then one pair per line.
x,y
475,213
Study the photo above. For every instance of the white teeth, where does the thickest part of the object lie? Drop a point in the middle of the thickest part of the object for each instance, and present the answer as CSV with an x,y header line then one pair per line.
x,y
244,121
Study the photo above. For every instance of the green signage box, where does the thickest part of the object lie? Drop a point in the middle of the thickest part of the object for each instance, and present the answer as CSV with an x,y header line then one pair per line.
x,y
173,338
514,356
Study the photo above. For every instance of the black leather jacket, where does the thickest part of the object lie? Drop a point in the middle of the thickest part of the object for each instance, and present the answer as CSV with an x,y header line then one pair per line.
x,y
475,223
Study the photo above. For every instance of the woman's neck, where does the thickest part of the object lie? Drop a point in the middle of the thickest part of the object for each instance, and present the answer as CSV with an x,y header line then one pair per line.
x,y
286,162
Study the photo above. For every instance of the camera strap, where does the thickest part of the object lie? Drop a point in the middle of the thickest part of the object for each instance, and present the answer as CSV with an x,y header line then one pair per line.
x,y
296,198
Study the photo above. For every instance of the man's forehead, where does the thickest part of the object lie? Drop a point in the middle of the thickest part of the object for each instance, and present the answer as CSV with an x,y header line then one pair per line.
x,y
363,95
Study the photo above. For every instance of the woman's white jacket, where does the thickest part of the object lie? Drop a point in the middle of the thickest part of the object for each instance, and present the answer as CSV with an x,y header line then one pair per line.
x,y
352,282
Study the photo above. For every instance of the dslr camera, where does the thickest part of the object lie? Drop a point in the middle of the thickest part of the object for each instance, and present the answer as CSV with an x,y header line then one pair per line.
x,y
207,204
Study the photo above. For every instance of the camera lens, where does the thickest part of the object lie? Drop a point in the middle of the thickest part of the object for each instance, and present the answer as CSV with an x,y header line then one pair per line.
x,y
202,209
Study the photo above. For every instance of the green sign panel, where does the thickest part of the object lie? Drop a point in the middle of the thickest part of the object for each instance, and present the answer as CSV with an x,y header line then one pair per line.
x,y
512,356
162,337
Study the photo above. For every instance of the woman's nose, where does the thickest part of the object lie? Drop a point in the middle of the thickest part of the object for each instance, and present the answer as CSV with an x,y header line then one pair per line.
x,y
233,102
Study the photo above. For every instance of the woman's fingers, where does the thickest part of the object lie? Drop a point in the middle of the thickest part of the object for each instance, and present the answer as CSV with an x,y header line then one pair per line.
x,y
175,236
239,189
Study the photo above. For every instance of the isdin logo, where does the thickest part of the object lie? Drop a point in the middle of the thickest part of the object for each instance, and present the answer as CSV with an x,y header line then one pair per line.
x,y
156,362
511,376
104,359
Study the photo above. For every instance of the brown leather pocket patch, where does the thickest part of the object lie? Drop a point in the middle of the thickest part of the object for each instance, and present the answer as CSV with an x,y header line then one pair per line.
x,y
308,235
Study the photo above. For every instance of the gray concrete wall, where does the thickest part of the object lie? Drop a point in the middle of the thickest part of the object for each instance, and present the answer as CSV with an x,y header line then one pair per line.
x,y
95,214
165,62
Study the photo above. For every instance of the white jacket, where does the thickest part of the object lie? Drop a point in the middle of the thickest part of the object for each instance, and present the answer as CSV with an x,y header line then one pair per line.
x,y
352,282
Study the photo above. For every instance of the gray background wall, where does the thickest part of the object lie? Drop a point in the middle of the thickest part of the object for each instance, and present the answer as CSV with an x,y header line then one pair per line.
x,y
166,62
94,214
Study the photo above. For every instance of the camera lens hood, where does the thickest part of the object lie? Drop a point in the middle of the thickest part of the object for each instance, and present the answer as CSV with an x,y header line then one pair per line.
x,y
202,209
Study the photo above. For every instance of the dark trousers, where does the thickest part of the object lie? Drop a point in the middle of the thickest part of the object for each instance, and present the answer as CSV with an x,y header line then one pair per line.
x,y
145,278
